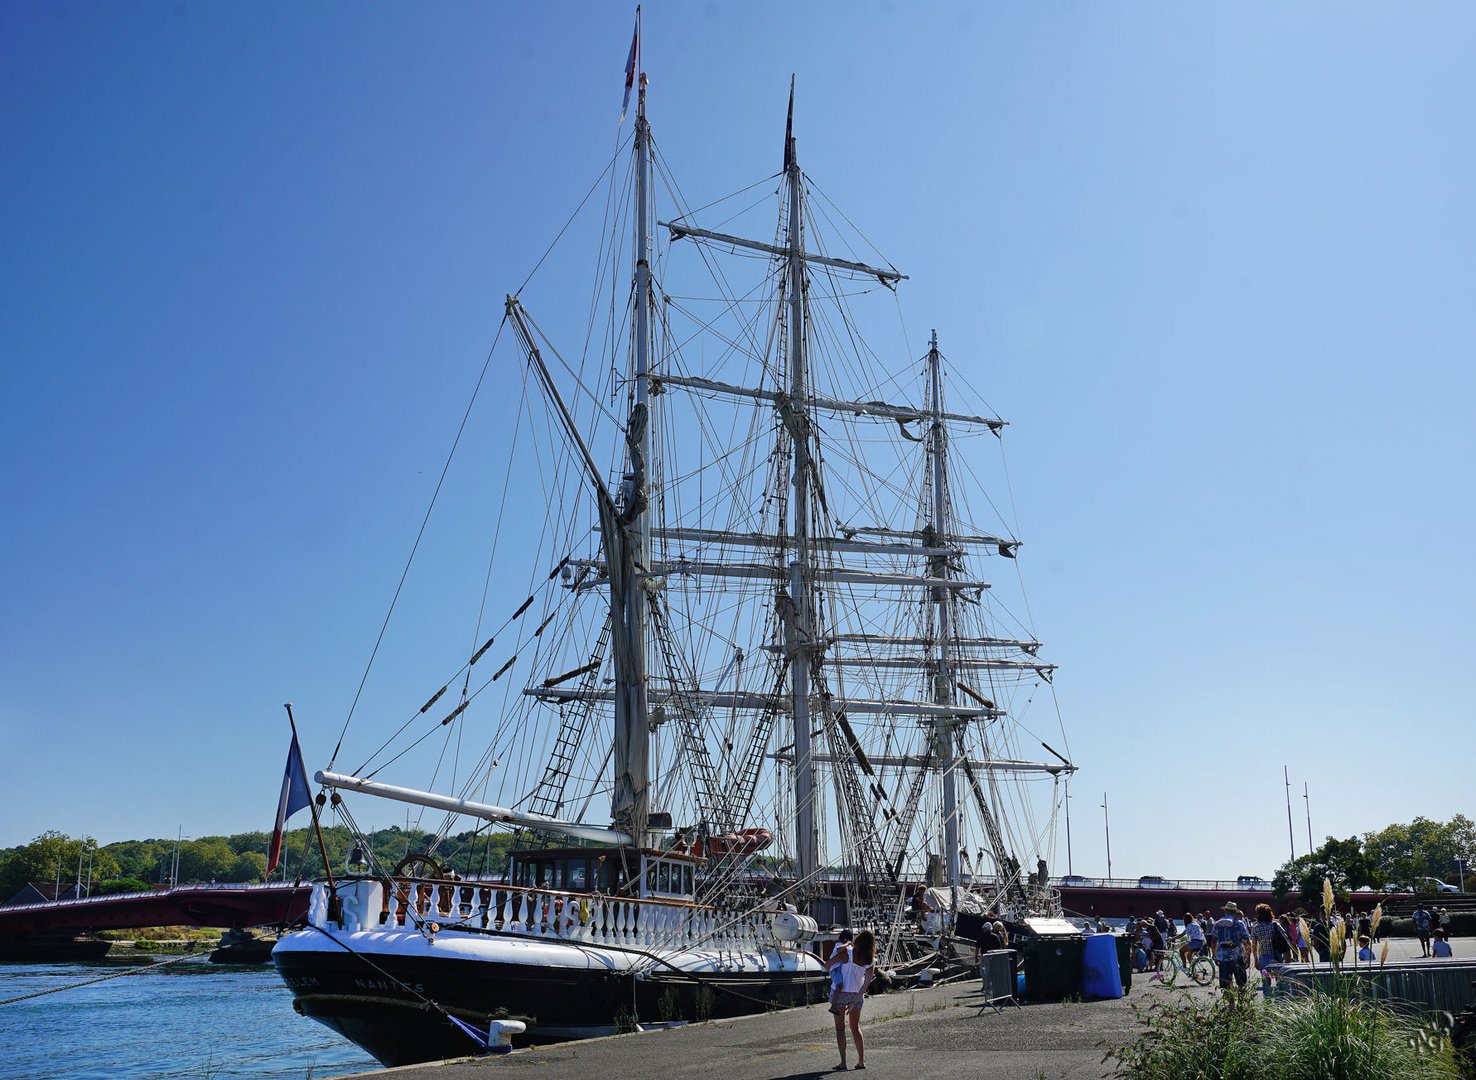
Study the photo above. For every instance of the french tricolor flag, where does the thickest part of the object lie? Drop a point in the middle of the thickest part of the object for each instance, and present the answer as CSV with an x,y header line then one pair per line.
x,y
630,65
295,797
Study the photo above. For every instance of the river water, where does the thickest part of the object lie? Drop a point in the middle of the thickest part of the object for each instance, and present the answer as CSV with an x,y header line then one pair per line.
x,y
190,1019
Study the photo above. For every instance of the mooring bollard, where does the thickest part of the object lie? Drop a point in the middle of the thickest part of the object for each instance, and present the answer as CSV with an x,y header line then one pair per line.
x,y
500,1033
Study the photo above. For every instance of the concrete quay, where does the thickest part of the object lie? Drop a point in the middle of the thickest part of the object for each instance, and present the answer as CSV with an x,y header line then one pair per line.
x,y
939,1032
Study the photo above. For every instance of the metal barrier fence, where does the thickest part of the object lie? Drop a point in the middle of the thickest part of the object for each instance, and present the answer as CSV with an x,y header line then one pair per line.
x,y
1432,986
997,969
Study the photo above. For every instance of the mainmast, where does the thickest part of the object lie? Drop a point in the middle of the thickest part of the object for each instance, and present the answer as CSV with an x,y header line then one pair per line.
x,y
799,638
943,680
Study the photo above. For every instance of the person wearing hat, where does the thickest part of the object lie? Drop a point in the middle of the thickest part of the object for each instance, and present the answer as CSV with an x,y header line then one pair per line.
x,y
1231,938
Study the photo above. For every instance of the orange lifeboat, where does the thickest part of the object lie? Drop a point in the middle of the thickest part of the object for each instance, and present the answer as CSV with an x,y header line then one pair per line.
x,y
741,842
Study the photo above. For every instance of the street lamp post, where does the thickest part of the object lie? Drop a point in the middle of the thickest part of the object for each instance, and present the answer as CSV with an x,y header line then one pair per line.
x,y
1107,828
1290,837
1307,798
1069,871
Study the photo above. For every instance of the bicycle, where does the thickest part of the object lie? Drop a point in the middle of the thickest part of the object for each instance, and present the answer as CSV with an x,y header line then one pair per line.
x,y
1201,970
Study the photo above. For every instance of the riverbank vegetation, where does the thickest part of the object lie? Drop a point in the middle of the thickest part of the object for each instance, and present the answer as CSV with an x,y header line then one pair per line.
x,y
1406,857
130,865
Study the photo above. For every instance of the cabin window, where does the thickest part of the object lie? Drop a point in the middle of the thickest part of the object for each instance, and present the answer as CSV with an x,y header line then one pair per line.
x,y
549,876
577,876
663,877
614,875
686,879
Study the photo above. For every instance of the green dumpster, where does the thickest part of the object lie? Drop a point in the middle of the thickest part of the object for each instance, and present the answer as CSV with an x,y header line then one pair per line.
x,y
1052,967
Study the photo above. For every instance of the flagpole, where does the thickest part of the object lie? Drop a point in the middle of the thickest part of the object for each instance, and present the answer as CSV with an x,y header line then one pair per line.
x,y
313,807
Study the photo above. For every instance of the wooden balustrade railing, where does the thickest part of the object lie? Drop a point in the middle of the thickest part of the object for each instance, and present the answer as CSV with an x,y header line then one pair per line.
x,y
596,918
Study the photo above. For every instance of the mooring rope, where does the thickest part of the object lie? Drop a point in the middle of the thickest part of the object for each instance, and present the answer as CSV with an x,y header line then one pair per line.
x,y
103,978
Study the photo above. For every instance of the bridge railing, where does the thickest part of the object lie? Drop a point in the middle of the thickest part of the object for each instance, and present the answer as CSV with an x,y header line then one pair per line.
x,y
1148,885
155,894
594,918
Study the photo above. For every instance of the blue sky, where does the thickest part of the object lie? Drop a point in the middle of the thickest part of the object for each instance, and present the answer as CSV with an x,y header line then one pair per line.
x,y
1213,262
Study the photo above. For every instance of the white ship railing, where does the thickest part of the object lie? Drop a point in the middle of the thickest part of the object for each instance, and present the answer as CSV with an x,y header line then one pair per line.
x,y
591,918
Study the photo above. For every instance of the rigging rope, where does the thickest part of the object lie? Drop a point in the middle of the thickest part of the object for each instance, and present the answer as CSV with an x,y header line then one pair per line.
x,y
418,537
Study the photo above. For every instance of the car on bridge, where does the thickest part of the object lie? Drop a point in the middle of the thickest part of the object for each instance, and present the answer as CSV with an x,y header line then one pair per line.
x,y
1252,883
1153,881
1076,879
1441,886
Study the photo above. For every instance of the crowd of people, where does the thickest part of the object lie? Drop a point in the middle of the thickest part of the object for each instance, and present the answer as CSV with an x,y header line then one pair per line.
x,y
1238,944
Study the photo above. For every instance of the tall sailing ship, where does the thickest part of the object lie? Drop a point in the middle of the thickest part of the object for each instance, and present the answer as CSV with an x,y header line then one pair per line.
x,y
761,629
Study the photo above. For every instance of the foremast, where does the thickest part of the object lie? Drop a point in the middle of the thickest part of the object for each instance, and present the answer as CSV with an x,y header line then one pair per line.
x,y
623,520
631,803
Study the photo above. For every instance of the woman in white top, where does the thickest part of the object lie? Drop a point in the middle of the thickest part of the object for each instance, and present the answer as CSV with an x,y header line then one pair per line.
x,y
835,966
851,993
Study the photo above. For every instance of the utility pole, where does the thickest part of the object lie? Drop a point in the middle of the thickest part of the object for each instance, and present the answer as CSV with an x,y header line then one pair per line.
x,y
1307,798
1107,826
1289,837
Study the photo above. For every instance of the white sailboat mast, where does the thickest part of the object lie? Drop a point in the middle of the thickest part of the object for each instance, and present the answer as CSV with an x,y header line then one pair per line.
x,y
799,628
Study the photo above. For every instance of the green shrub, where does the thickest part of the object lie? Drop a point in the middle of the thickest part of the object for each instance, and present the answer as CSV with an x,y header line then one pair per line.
x,y
1194,1038
1319,1035
1340,1035
1462,924
120,885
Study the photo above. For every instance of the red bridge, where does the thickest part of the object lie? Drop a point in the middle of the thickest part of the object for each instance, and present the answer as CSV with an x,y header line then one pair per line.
x,y
229,907
1118,898
243,906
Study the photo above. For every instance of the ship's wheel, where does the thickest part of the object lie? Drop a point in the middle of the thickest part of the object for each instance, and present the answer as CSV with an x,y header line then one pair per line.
x,y
419,866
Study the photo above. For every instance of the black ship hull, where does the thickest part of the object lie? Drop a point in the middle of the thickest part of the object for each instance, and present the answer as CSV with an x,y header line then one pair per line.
x,y
381,1002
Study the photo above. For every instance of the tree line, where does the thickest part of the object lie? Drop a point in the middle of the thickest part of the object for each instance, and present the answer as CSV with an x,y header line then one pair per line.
x,y
131,865
1397,858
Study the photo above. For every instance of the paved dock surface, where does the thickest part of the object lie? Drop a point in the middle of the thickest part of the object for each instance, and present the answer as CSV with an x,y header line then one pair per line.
x,y
939,1032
